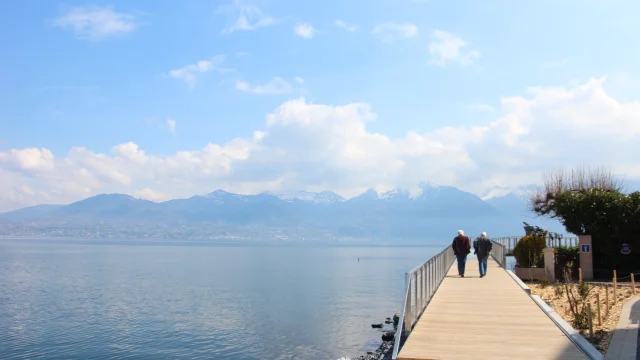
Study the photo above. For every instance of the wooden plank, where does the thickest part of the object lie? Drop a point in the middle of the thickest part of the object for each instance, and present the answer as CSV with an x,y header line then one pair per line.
x,y
485,318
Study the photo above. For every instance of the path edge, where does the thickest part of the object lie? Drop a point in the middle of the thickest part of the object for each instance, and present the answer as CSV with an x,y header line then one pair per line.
x,y
571,333
519,282
618,334
574,336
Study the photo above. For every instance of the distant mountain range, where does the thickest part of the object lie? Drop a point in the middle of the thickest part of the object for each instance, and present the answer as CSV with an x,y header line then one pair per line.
x,y
436,213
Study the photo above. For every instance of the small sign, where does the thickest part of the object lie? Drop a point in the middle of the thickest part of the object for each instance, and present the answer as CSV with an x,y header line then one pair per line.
x,y
626,249
585,248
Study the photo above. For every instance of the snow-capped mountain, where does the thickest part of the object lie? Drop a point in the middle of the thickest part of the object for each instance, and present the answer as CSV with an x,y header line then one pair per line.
x,y
436,210
395,195
513,202
223,197
323,197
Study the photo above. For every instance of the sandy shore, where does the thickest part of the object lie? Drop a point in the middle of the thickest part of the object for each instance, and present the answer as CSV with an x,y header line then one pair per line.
x,y
602,331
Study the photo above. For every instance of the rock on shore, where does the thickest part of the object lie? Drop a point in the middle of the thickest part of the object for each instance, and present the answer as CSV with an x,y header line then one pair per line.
x,y
383,352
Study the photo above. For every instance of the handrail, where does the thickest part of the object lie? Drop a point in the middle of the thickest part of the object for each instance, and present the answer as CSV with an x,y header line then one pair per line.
x,y
499,253
510,241
421,284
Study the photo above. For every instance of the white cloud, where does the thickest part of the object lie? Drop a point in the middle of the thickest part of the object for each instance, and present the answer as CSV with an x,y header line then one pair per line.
x,y
95,23
148,194
28,159
305,30
247,17
190,73
345,25
447,48
326,147
171,124
275,86
389,31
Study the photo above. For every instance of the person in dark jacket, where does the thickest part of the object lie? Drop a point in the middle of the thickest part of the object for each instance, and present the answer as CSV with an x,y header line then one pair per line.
x,y
482,248
461,248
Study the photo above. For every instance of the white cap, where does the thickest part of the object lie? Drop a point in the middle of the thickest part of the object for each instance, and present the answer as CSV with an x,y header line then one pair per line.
x,y
460,232
484,233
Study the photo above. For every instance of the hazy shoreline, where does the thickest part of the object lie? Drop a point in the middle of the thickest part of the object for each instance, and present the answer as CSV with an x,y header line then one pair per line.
x,y
311,243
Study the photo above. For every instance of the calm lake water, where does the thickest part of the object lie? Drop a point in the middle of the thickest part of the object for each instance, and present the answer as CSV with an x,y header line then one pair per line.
x,y
73,299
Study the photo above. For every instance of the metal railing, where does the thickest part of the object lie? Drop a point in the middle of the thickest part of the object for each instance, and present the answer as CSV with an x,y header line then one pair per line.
x,y
499,253
421,284
509,242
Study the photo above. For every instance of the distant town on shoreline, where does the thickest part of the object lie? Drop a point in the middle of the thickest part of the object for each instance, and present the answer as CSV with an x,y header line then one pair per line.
x,y
435,214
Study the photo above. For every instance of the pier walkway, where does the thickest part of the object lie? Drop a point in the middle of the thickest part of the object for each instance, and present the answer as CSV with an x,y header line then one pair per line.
x,y
484,318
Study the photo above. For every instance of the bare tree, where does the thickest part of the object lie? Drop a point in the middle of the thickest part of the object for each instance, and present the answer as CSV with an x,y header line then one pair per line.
x,y
580,179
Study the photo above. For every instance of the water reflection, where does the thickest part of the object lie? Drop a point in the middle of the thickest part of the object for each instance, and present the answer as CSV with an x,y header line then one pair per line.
x,y
64,299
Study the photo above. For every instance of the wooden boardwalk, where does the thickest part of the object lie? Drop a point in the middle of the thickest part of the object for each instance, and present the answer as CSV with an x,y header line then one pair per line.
x,y
488,318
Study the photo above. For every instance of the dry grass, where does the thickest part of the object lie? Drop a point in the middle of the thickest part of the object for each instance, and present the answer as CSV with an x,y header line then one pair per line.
x,y
602,332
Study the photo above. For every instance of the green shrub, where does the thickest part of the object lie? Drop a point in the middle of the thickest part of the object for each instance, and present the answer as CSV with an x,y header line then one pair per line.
x,y
544,282
584,290
580,319
558,289
528,251
592,201
567,256
580,316
578,299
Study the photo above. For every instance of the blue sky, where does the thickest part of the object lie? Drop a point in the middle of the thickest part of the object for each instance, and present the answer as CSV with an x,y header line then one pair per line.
x,y
100,74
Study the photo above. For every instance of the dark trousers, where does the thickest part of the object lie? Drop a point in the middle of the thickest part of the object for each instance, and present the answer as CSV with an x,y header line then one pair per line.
x,y
482,265
462,260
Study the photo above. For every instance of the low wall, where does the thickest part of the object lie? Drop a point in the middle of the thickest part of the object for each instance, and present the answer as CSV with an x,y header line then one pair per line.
x,y
531,273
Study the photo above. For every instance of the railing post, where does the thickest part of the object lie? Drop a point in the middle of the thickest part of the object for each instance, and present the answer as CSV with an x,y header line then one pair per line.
x,y
419,286
435,271
504,258
406,280
415,299
435,276
424,284
407,305
430,278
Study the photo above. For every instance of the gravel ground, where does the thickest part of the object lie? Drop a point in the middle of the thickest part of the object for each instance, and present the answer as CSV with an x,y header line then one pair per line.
x,y
602,332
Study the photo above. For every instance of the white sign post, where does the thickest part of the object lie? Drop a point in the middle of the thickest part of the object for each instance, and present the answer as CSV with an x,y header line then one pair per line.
x,y
586,256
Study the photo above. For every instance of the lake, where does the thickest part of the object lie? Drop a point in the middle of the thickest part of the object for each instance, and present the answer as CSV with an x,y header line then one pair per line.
x,y
101,299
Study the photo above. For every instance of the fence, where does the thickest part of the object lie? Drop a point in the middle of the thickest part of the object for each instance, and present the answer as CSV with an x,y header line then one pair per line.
x,y
499,253
509,242
421,284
